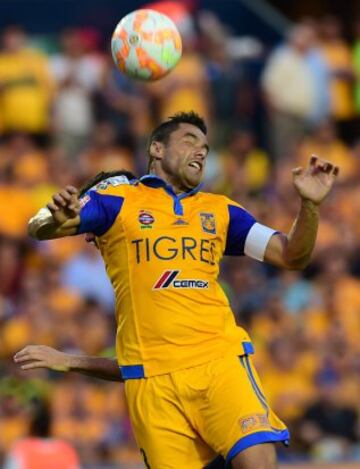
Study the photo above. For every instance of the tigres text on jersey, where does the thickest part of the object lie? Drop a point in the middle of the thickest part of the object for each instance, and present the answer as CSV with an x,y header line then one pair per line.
x,y
162,254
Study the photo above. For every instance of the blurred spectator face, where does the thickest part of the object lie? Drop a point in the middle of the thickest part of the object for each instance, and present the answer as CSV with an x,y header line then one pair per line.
x,y
329,300
95,322
19,143
53,276
283,353
90,39
325,132
104,135
242,143
32,283
335,265
302,38
275,307
62,172
9,265
13,39
328,387
72,43
330,28
357,28
242,277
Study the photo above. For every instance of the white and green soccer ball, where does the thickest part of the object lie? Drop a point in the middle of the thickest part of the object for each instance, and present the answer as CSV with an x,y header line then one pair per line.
x,y
146,45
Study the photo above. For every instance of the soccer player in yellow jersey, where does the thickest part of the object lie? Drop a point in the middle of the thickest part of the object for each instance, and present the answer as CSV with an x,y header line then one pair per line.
x,y
190,384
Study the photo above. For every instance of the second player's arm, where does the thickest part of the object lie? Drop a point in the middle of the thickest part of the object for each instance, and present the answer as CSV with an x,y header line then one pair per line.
x,y
60,218
42,356
293,251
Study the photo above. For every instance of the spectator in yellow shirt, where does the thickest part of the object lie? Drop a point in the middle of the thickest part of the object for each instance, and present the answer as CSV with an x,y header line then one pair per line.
x,y
338,56
25,85
288,378
244,164
185,88
325,141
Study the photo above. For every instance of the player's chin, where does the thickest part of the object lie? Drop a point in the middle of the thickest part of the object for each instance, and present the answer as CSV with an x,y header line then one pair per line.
x,y
193,180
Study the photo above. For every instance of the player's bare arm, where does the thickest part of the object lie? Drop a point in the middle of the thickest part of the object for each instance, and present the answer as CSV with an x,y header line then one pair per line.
x,y
41,356
60,217
293,251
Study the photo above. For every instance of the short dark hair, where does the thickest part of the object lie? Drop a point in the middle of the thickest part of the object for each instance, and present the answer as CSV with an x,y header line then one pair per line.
x,y
163,131
102,176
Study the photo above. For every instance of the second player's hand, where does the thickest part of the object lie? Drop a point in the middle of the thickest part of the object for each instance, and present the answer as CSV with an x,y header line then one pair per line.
x,y
65,205
316,181
41,356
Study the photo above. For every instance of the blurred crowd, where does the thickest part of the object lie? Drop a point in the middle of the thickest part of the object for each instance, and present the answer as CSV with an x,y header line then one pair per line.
x,y
66,113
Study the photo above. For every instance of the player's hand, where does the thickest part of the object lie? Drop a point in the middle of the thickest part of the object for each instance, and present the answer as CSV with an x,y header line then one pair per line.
x,y
316,181
41,356
65,205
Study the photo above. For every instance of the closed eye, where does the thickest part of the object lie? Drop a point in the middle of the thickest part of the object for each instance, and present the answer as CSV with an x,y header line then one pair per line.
x,y
192,139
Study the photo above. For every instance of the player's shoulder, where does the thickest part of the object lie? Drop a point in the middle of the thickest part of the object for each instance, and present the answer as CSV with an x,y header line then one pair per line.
x,y
118,186
219,200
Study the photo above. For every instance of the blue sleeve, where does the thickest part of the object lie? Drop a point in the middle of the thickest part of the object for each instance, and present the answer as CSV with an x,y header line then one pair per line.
x,y
240,222
98,212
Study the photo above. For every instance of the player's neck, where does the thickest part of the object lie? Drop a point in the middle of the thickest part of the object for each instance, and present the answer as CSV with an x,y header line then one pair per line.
x,y
176,186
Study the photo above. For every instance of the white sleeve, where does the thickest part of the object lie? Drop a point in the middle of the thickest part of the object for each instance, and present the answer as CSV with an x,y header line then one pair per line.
x,y
257,241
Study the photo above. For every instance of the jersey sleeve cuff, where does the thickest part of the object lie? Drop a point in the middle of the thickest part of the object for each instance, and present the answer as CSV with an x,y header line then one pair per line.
x,y
257,241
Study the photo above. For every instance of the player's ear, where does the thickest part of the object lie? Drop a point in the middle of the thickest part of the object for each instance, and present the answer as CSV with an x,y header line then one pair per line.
x,y
156,150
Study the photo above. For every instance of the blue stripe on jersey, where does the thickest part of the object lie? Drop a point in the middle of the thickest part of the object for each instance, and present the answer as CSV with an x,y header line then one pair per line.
x,y
240,222
248,348
132,372
156,182
99,213
246,364
257,438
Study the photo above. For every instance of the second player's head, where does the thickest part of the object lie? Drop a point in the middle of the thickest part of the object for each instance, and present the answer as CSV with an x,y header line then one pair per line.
x,y
178,149
92,183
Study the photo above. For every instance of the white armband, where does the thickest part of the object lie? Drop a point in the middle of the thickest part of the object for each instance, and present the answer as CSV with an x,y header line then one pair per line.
x,y
257,241
41,219
42,215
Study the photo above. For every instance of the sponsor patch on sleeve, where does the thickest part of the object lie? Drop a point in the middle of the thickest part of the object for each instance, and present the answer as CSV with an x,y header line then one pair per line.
x,y
84,200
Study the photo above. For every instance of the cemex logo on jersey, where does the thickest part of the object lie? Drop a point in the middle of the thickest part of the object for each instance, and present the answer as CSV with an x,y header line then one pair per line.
x,y
168,280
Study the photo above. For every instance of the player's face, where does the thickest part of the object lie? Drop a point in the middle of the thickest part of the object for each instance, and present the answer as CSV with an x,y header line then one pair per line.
x,y
184,156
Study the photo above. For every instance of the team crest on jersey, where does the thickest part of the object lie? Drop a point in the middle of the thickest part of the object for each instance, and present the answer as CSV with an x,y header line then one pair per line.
x,y
208,223
254,422
145,219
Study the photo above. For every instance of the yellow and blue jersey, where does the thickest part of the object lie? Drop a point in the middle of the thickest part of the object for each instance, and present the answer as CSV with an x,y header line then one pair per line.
x,y
162,253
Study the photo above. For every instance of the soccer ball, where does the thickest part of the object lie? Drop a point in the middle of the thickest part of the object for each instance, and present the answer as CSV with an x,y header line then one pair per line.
x,y
146,45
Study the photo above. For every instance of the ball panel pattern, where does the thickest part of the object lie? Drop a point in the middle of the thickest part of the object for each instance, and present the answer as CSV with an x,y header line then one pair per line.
x,y
146,45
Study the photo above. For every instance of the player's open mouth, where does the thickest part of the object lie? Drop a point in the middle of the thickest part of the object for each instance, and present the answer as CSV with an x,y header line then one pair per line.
x,y
196,164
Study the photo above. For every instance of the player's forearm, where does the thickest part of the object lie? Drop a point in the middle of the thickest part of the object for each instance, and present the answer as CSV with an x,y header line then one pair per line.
x,y
43,226
96,367
302,236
